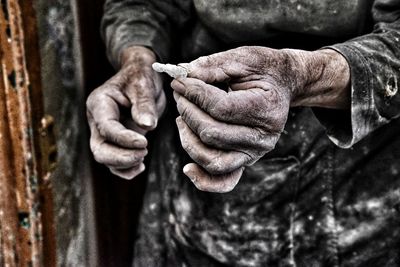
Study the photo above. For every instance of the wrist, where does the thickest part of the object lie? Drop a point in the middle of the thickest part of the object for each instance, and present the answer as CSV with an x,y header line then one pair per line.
x,y
137,55
326,81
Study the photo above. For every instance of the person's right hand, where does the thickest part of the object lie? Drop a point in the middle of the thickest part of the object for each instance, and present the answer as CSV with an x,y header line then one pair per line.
x,y
118,141
225,131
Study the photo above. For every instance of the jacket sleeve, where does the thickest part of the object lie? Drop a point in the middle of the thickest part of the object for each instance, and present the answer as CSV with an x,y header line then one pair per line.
x,y
374,61
151,23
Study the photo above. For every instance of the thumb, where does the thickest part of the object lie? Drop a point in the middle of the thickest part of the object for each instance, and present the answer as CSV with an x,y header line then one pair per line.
x,y
210,69
141,93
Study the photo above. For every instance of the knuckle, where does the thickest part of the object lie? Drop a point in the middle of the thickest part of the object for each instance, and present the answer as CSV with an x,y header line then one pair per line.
x,y
182,108
91,100
126,160
119,80
116,139
275,120
186,145
103,130
205,60
147,105
122,161
107,131
215,166
135,157
94,99
124,138
198,95
98,156
268,144
186,112
142,153
208,135
89,116
146,93
93,143
220,109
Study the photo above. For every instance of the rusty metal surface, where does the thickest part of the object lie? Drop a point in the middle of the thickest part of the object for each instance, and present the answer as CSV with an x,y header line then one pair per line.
x,y
26,228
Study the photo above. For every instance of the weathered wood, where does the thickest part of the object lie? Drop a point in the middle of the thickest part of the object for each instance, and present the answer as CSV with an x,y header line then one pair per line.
x,y
26,220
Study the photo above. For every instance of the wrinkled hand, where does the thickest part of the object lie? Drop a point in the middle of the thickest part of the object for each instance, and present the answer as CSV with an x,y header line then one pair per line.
x,y
117,137
225,131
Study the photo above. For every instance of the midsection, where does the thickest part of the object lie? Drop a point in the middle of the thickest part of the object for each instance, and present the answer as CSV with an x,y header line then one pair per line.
x,y
238,21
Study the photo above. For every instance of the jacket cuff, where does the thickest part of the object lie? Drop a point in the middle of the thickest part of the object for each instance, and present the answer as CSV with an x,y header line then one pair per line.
x,y
142,36
345,128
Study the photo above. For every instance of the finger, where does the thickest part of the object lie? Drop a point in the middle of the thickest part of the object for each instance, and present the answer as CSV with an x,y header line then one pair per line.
x,y
141,91
255,107
218,67
252,107
204,181
223,135
209,69
129,173
112,155
103,111
129,123
215,161
204,95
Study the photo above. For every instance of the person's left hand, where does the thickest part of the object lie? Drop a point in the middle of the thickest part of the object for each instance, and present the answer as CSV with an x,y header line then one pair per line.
x,y
225,131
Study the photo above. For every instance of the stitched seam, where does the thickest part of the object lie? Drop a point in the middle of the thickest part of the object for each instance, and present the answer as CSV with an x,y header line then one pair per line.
x,y
292,215
355,95
333,239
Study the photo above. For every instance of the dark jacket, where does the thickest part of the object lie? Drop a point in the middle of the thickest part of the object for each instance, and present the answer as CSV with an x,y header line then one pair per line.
x,y
329,194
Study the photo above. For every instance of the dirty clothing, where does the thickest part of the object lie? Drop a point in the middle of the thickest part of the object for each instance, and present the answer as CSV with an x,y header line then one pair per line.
x,y
329,193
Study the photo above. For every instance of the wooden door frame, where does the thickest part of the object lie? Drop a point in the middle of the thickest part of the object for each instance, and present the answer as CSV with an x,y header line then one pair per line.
x,y
27,148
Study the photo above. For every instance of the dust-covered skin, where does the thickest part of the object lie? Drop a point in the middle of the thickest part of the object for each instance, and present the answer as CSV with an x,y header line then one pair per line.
x,y
225,131
116,140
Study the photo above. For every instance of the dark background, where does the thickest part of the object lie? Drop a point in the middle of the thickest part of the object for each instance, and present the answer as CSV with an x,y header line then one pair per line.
x,y
117,201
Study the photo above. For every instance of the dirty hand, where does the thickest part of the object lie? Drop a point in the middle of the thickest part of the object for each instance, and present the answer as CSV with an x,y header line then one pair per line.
x,y
117,137
225,131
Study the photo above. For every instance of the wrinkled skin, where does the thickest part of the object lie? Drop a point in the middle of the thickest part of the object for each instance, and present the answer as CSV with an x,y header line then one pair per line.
x,y
221,131
117,139
225,131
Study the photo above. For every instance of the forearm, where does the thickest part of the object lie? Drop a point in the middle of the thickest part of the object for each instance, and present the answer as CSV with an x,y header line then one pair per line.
x,y
326,80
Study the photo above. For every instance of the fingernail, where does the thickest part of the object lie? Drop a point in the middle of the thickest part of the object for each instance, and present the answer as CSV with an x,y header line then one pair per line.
x,y
178,121
148,120
186,169
187,172
142,167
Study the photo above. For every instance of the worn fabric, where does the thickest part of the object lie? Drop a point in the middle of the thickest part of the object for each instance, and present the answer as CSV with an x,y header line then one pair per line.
x,y
310,202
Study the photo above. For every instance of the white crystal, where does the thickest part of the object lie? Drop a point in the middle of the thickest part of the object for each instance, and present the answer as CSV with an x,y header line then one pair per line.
x,y
175,71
